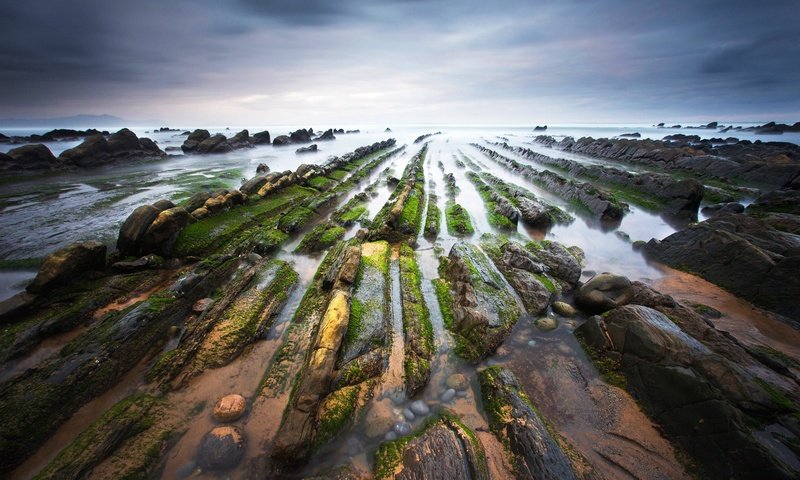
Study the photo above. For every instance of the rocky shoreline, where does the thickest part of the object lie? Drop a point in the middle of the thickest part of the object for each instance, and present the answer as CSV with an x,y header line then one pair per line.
x,y
382,335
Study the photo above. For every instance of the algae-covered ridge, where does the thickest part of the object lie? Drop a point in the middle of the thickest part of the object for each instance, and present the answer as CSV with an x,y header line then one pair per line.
x,y
417,327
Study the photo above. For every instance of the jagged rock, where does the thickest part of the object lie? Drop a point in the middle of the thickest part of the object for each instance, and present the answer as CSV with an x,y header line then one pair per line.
x,y
301,136
194,139
262,168
604,292
309,149
726,207
777,201
221,448
66,264
230,408
561,262
161,235
241,140
30,157
516,424
328,135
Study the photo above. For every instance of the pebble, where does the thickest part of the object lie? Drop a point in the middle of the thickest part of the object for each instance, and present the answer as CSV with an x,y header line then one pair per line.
x,y
563,308
229,408
409,414
390,436
531,343
462,394
448,395
419,407
402,428
546,324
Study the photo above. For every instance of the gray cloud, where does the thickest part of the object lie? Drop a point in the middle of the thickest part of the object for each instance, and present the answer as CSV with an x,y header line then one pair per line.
x,y
400,60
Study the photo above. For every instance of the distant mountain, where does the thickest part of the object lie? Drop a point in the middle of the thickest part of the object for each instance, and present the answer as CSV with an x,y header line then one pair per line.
x,y
75,121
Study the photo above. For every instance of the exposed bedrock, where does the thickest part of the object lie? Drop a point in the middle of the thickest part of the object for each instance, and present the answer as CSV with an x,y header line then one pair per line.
x,y
742,254
704,394
446,449
677,197
536,453
770,163
484,311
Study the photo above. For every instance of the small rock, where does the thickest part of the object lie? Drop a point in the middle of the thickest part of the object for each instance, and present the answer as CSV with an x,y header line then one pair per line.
x,y
457,381
563,308
229,408
448,395
546,324
221,448
408,414
202,305
419,407
402,428
390,436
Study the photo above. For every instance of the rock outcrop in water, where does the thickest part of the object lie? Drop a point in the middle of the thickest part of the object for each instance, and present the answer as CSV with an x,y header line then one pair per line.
x,y
35,157
202,142
123,145
67,264
770,163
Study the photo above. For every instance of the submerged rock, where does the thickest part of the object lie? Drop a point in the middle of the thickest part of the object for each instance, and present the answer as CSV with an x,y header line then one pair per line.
x,y
68,263
229,408
221,448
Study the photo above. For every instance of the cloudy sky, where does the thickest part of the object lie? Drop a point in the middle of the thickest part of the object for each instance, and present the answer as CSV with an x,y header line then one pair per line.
x,y
246,62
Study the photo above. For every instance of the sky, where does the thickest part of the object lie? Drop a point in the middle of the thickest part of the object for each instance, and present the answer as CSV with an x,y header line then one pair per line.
x,y
251,62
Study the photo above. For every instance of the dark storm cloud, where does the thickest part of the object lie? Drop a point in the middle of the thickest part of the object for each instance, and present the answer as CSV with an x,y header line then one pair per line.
x,y
630,59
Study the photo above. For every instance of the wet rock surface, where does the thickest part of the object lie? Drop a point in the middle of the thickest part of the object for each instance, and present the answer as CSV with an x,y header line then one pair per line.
x,y
604,292
67,264
512,418
740,253
222,448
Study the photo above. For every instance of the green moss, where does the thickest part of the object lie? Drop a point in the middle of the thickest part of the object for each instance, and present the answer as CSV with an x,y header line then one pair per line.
x,y
125,419
606,366
549,285
209,233
784,404
496,219
337,411
338,175
379,257
321,183
356,323
352,215
445,298
321,237
458,221
295,218
434,217
416,322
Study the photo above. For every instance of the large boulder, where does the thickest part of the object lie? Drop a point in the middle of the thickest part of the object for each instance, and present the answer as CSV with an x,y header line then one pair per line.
x,y
604,292
254,184
281,140
133,229
64,265
194,139
32,157
241,140
261,138
123,140
300,136
93,147
97,150
221,449
196,201
161,235
328,135
309,149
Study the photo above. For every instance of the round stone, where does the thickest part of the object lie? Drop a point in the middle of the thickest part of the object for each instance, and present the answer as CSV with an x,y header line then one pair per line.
x,y
409,414
457,381
546,324
390,436
419,407
221,448
229,408
563,308
402,428
448,395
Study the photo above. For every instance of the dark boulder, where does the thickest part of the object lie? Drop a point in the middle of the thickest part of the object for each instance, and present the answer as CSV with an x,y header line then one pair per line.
x,y
281,140
194,139
261,138
253,185
93,147
725,207
123,145
32,157
64,265
161,235
309,149
221,449
328,135
604,292
262,168
241,140
215,144
133,229
778,201
123,140
196,201
301,136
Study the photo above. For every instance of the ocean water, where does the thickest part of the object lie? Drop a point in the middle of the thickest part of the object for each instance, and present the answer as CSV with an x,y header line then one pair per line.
x,y
43,213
